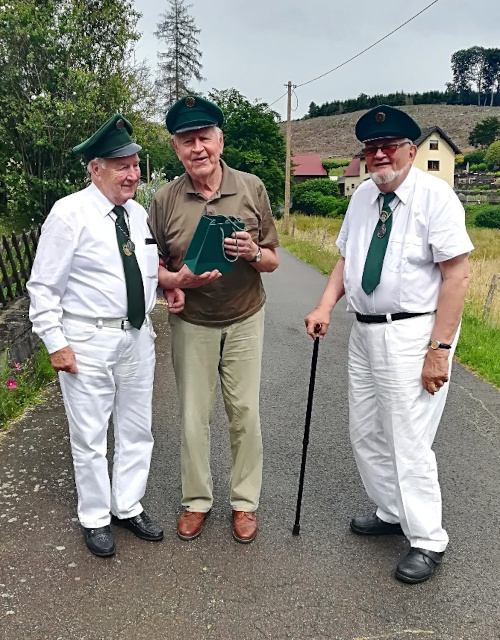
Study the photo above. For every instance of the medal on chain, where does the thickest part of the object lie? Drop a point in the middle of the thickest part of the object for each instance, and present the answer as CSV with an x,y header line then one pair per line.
x,y
129,247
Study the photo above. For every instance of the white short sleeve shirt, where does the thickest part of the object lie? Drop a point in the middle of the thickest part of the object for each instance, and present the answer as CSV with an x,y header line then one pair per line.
x,y
78,267
428,227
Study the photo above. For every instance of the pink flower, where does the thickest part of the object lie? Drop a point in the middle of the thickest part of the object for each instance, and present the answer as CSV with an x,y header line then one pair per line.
x,y
11,384
17,366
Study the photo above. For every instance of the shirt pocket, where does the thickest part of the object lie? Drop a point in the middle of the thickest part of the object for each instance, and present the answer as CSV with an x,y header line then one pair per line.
x,y
151,260
405,253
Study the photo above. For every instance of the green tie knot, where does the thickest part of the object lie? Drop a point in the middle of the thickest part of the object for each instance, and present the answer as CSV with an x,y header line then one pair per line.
x,y
387,199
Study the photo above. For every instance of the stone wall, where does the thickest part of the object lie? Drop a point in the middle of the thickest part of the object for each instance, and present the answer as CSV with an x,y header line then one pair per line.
x,y
15,331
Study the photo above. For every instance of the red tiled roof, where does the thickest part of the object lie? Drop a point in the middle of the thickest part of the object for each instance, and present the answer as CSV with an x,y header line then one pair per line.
x,y
308,164
353,169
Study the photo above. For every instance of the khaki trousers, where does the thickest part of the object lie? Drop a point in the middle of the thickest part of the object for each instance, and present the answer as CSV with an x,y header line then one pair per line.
x,y
200,356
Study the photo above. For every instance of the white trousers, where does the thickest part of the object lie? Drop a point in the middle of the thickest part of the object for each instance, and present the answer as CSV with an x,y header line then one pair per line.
x,y
200,356
115,375
393,421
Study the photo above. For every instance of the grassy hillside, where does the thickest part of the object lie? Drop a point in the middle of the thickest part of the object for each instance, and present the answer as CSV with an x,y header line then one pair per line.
x,y
334,135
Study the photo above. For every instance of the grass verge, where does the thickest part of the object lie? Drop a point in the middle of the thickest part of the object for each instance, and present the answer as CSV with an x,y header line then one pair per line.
x,y
312,239
479,347
22,384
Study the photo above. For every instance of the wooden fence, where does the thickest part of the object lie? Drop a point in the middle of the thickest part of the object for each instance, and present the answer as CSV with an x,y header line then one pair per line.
x,y
16,260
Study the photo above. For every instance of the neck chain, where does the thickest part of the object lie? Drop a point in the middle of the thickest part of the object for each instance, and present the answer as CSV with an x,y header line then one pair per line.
x,y
129,247
383,216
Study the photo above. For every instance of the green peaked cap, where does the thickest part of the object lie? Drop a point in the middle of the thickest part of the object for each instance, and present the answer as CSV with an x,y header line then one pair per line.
x,y
386,122
193,112
112,140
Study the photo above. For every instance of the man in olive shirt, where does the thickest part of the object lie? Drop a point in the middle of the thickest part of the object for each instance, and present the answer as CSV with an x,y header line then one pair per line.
x,y
220,332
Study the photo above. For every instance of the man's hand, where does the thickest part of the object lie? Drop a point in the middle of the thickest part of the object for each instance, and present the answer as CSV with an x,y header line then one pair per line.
x,y
64,360
241,244
186,279
435,371
175,299
319,317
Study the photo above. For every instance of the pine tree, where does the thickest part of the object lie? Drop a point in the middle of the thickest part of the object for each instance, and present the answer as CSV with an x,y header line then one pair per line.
x,y
181,62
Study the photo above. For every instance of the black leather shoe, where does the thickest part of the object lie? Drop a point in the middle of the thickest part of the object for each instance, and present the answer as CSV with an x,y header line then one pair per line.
x,y
372,525
141,525
419,565
100,541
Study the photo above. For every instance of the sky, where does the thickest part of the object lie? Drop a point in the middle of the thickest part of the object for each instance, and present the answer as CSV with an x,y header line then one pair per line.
x,y
257,46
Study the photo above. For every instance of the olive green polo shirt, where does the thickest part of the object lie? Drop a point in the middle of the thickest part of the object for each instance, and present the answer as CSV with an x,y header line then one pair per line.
x,y
174,214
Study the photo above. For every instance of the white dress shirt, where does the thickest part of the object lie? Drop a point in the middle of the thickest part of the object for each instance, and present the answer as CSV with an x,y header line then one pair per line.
x,y
428,227
78,267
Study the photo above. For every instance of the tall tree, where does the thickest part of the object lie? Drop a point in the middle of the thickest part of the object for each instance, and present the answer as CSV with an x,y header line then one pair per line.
x,y
491,79
485,132
181,62
64,70
468,66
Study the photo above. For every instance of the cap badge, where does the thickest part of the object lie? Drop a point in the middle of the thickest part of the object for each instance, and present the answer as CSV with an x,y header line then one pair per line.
x,y
380,116
120,124
190,101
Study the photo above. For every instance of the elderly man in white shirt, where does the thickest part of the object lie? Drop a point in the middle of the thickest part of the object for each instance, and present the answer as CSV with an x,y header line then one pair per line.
x,y
404,270
92,289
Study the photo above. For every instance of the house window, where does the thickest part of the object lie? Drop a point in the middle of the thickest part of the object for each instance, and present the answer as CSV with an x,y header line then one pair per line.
x,y
433,165
433,145
352,185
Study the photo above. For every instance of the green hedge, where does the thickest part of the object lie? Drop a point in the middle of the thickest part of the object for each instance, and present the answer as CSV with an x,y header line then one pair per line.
x,y
319,197
489,217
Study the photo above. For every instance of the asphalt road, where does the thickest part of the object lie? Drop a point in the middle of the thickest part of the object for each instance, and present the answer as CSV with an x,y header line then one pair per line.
x,y
325,584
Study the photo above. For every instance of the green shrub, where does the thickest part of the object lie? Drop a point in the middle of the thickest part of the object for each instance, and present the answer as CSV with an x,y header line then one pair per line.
x,y
340,210
481,166
475,157
321,185
489,217
22,382
145,192
473,167
330,163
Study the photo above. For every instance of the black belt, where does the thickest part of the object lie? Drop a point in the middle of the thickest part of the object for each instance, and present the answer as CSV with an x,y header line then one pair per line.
x,y
403,315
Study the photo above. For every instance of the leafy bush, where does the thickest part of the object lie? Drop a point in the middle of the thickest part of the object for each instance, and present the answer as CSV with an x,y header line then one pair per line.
x,y
473,167
489,217
475,157
145,192
21,383
481,166
319,197
340,210
321,185
330,163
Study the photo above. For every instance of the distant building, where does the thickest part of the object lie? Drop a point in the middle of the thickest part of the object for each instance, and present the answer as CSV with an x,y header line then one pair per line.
x,y
435,153
307,166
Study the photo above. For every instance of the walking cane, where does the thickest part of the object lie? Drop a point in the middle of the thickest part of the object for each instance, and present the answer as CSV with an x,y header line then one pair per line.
x,y
305,442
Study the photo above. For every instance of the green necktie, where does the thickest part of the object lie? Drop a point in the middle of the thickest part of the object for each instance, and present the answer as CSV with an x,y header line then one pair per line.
x,y
377,248
133,279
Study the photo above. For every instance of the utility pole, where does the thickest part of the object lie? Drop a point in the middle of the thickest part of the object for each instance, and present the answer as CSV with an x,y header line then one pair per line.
x,y
147,167
286,214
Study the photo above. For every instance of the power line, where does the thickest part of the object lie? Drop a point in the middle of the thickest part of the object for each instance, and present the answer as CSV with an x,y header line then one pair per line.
x,y
361,52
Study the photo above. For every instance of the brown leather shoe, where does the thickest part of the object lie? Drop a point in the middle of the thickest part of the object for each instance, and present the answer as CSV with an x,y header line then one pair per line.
x,y
190,524
245,526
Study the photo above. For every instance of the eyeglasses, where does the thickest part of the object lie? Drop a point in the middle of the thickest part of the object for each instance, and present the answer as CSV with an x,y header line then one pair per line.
x,y
388,149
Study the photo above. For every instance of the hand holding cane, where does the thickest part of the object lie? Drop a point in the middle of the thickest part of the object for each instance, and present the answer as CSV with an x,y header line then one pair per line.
x,y
305,442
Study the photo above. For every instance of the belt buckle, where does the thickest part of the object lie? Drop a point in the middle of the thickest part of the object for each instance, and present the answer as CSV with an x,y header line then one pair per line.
x,y
125,326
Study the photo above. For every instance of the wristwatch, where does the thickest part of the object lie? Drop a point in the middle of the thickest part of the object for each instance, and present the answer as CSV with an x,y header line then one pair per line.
x,y
258,256
435,344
